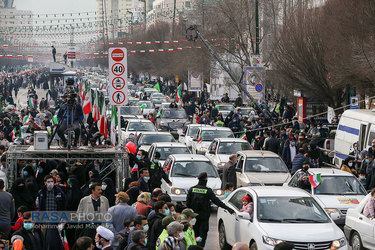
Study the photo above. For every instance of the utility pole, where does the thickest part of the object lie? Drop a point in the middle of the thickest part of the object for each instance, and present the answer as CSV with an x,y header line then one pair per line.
x,y
174,18
256,27
231,75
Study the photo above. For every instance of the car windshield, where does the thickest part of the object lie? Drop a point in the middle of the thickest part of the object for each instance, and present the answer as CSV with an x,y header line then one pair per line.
x,y
130,110
141,126
149,139
192,169
159,101
228,148
156,95
174,114
166,151
226,108
265,164
290,210
209,135
148,104
192,130
339,185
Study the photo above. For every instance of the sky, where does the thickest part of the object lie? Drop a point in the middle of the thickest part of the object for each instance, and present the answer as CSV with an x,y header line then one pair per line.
x,y
56,6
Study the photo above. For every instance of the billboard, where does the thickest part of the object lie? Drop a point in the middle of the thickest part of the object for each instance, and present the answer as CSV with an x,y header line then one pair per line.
x,y
195,81
254,80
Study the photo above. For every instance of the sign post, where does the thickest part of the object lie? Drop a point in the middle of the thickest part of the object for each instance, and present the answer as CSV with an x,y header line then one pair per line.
x,y
118,75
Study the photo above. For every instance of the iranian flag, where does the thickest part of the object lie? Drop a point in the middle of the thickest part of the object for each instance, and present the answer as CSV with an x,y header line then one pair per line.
x,y
66,245
178,99
26,119
96,110
103,130
200,139
87,104
31,102
113,125
243,136
315,180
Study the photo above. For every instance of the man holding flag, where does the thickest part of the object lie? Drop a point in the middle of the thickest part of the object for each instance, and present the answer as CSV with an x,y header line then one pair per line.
x,y
303,181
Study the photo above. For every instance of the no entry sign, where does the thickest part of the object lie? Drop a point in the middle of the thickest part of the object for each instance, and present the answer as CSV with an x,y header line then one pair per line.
x,y
118,75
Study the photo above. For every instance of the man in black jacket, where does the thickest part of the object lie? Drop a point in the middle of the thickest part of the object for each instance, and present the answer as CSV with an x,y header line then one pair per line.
x,y
31,237
157,173
199,199
272,144
51,197
155,223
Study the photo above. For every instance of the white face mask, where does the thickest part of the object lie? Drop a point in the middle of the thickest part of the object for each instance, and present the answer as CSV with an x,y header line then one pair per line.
x,y
181,235
350,164
193,221
98,245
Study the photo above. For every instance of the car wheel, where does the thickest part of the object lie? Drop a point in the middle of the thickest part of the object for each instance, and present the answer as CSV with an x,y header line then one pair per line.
x,y
222,240
356,242
253,246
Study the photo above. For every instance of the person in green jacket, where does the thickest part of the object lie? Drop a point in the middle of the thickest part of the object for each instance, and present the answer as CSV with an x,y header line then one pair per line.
x,y
189,236
164,234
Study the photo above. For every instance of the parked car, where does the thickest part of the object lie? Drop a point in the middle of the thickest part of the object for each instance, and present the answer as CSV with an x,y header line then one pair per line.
x,y
166,149
148,107
257,167
359,229
135,127
183,171
204,136
189,133
146,139
172,120
280,214
338,191
225,109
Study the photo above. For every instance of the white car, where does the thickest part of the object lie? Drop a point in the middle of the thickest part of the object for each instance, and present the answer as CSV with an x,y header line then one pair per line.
x,y
359,229
338,191
135,127
149,106
225,109
146,139
220,149
183,171
257,167
190,131
156,95
204,136
166,149
280,214
131,110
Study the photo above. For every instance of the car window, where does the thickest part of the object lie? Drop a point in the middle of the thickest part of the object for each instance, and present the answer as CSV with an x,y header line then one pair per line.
x,y
193,169
293,181
151,138
265,164
239,162
141,126
192,130
236,199
209,135
340,185
213,146
167,151
233,147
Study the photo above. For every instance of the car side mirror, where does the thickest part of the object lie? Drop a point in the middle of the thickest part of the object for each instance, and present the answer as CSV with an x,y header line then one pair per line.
x,y
335,216
244,215
212,152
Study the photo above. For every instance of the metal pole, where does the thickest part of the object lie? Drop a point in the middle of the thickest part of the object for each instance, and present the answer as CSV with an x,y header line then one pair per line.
x,y
119,125
256,28
174,18
218,59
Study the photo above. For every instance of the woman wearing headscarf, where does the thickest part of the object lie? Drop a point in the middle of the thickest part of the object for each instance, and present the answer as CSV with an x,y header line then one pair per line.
x,y
142,202
133,192
348,166
61,181
21,195
41,172
109,191
74,193
30,181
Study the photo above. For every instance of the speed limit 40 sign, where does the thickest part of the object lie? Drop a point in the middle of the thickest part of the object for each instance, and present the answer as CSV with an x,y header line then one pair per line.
x,y
118,75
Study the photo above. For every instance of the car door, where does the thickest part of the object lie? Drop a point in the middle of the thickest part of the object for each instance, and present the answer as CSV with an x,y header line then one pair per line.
x,y
244,225
241,177
231,231
211,152
168,167
151,152
194,143
366,229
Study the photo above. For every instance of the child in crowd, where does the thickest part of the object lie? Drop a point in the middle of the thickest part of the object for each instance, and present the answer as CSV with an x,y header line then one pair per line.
x,y
19,221
362,177
229,187
247,205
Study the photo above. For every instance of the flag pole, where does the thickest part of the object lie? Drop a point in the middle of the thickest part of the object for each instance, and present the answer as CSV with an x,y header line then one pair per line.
x,y
118,125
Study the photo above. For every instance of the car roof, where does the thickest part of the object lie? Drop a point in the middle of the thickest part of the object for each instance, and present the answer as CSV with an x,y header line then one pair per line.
x,y
154,133
274,191
216,128
230,140
168,144
259,153
189,157
329,171
139,120
199,125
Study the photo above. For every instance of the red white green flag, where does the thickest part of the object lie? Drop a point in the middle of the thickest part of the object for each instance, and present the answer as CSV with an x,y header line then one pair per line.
x,y
315,180
178,95
87,104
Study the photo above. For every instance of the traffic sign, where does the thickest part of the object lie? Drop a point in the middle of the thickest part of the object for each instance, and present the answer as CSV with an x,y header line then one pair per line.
x,y
259,87
118,97
118,75
117,55
118,83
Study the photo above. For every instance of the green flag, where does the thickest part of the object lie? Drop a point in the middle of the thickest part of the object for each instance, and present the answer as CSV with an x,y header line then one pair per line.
x,y
157,87
143,106
54,119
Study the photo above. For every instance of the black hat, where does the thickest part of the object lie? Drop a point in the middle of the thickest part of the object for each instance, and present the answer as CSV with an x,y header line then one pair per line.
x,y
202,176
306,162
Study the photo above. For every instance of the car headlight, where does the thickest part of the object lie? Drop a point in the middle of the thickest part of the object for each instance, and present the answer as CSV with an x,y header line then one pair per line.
x,y
178,191
339,243
271,241
221,164
218,192
332,210
202,149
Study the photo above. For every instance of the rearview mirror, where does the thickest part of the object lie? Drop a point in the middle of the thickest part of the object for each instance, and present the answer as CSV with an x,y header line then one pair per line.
x,y
244,215
335,216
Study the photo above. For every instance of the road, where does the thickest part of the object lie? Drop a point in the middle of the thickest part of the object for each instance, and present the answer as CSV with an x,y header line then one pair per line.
x,y
212,242
22,96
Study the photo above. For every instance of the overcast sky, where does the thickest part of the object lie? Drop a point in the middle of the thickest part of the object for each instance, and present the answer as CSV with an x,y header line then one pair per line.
x,y
56,6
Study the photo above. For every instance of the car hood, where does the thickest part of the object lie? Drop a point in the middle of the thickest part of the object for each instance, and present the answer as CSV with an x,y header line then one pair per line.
x,y
204,144
309,232
268,178
223,158
339,201
145,147
173,120
187,182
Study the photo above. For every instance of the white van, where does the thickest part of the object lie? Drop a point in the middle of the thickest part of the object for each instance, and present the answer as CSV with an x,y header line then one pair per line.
x,y
354,126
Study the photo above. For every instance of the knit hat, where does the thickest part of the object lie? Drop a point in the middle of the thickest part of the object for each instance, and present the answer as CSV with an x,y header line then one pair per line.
x,y
246,197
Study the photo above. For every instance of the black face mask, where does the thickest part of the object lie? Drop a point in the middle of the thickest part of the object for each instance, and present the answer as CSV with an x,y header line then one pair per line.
x,y
203,182
305,168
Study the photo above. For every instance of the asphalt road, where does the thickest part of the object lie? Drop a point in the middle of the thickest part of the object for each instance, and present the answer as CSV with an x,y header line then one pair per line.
x,y
212,242
22,96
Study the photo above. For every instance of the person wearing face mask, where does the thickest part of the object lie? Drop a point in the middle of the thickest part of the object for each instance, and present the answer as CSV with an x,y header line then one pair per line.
x,y
109,191
144,178
139,241
199,199
164,234
303,177
119,213
189,232
22,195
138,161
348,166
229,171
289,152
103,238
157,173
156,227
124,233
31,237
175,239
140,223
51,197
